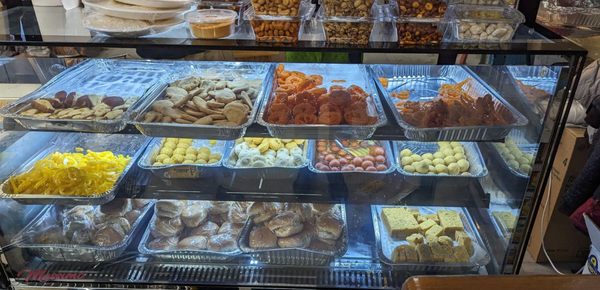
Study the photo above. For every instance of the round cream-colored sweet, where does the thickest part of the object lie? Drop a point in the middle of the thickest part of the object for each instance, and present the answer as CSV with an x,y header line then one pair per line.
x,y
179,151
458,149
448,152
455,144
203,156
427,161
525,168
431,169
463,165
416,157
161,157
168,161
523,160
166,151
440,168
204,150
459,156
421,167
449,159
465,174
178,158
189,157
439,155
171,145
405,153
438,161
187,161
409,168
453,169
428,156
513,164
407,160
183,145
444,144
191,150
175,140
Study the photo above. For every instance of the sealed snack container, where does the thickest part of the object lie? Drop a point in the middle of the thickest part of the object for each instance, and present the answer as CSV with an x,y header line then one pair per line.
x,y
263,242
353,8
95,96
419,31
194,231
211,23
98,162
268,158
449,159
276,28
411,90
212,100
320,114
471,23
174,158
82,233
428,238
348,30
239,6
478,2
277,7
121,27
422,8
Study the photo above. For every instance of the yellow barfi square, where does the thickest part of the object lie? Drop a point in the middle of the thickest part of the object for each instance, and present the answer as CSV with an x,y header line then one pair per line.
x,y
434,231
426,225
451,222
400,222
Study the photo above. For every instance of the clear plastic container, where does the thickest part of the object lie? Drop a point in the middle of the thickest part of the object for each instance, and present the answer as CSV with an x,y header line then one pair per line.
x,y
277,7
478,2
348,29
354,8
470,23
285,29
420,31
211,23
422,8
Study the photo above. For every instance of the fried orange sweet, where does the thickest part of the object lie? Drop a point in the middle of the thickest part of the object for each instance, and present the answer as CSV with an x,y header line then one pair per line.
x,y
279,114
305,118
304,108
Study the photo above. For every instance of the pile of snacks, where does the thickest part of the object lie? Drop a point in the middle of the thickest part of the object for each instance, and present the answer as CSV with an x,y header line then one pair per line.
x,y
299,100
454,107
75,174
267,152
276,7
422,8
421,33
273,29
104,226
200,101
485,32
484,23
515,157
506,218
431,238
78,107
479,2
351,156
197,225
450,158
181,151
295,225
355,8
348,30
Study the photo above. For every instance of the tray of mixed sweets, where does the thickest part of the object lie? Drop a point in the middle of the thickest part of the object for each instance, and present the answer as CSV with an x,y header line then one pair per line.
x,y
78,168
445,103
428,238
322,101
295,233
94,96
84,233
208,99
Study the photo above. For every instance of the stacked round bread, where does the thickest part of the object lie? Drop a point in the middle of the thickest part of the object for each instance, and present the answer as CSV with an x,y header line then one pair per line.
x,y
295,225
137,17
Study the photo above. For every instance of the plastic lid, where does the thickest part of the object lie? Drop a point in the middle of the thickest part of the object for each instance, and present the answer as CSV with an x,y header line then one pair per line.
x,y
211,16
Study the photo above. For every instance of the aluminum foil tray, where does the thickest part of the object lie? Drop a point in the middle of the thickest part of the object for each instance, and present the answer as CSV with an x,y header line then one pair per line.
x,y
542,77
526,148
268,172
386,245
391,165
295,256
182,255
73,252
424,81
131,145
227,70
477,164
182,171
124,78
353,75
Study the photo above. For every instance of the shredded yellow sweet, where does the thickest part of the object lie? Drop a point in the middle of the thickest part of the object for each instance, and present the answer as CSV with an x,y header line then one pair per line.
x,y
77,174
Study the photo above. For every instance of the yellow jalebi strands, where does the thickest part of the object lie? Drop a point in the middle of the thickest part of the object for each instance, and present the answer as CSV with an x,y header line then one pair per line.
x,y
456,91
76,174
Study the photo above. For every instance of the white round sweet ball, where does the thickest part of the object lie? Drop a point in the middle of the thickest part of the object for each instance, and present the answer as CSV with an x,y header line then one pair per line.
x,y
455,144
449,159
407,160
438,161
440,168
513,164
453,169
428,156
416,157
421,167
463,165
448,152
427,161
525,168
459,156
406,153
458,149
438,155
409,168
432,169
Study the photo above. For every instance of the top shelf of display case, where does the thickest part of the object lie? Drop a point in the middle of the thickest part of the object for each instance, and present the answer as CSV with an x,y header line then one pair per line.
x,y
53,26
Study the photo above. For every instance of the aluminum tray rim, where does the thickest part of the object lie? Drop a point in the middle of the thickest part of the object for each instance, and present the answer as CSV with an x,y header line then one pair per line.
x,y
245,235
20,242
71,199
442,265
389,156
519,122
157,140
479,157
143,249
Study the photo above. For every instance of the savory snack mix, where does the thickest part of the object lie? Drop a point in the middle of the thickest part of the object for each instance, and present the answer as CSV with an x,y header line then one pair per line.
x,y
454,107
276,7
74,174
450,158
299,100
182,151
356,8
267,152
350,156
440,237
201,101
74,106
422,8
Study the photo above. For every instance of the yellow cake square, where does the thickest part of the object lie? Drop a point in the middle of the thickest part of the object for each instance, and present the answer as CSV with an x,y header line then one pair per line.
x,y
399,222
451,222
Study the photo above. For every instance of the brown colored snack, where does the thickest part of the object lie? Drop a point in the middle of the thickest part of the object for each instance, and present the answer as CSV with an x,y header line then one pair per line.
x,y
422,8
329,227
276,7
285,224
355,32
262,238
276,30
193,243
207,229
355,8
222,243
412,33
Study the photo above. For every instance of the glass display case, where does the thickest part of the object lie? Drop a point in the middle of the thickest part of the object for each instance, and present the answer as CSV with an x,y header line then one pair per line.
x,y
163,172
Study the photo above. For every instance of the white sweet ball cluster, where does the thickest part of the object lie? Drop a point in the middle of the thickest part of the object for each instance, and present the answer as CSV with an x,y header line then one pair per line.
x,y
449,159
515,157
267,152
